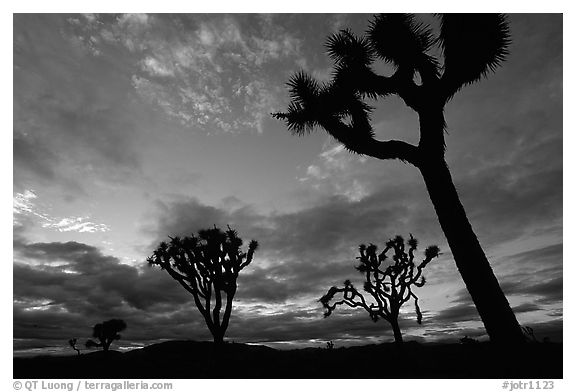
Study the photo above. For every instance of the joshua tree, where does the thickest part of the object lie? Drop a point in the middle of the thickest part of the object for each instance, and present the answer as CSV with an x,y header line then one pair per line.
x,y
207,266
390,286
106,333
72,342
472,46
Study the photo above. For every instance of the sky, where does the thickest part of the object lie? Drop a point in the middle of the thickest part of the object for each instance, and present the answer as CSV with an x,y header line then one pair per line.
x,y
129,128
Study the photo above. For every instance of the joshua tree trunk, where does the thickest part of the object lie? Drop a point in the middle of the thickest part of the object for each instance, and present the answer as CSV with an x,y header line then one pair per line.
x,y
218,338
493,307
396,329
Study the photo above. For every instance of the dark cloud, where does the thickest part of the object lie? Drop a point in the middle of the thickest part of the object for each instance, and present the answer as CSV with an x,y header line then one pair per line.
x,y
280,282
304,252
312,235
548,291
534,274
457,313
526,308
540,261
74,281
466,311
518,204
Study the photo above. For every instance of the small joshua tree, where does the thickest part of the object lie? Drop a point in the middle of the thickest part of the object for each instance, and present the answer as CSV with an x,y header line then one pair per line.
x,y
390,286
207,266
106,333
72,342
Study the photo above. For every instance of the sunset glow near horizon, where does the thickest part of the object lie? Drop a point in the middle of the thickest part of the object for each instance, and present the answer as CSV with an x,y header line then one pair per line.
x,y
132,128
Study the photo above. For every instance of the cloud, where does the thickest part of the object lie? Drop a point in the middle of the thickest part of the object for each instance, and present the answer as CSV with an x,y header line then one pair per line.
x,y
210,73
24,207
23,203
79,276
547,259
535,275
156,68
466,312
79,224
330,173
458,313
533,284
72,117
70,286
334,227
548,291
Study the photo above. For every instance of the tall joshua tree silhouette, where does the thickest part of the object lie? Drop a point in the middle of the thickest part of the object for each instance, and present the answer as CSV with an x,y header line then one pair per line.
x,y
207,266
473,45
389,286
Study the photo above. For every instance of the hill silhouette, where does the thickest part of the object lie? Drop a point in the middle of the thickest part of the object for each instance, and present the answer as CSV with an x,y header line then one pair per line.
x,y
191,359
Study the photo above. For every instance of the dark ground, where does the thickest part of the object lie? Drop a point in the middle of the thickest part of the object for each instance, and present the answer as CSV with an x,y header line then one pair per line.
x,y
189,359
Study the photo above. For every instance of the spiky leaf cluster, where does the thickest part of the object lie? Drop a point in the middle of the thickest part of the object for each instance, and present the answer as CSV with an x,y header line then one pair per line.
x,y
401,40
211,260
473,46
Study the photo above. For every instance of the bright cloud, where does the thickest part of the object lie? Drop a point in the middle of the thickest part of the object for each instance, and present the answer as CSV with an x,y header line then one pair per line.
x,y
333,172
213,75
79,224
23,204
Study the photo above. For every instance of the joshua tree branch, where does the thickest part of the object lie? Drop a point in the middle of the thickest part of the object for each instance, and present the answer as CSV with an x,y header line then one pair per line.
x,y
390,149
195,293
